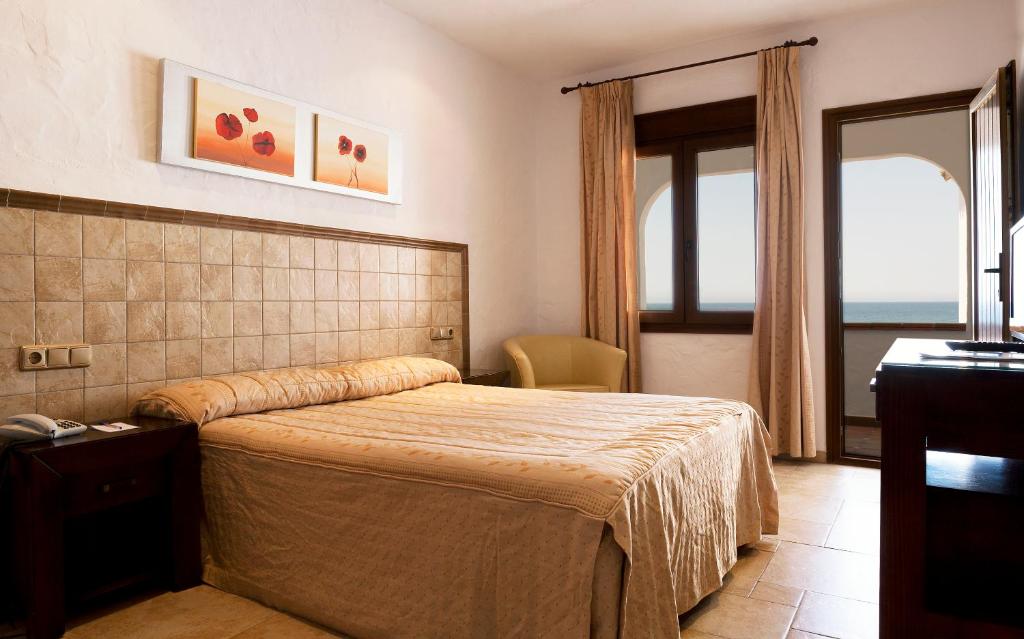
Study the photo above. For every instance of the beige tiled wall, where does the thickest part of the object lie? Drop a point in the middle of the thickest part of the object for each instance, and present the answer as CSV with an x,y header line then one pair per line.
x,y
163,302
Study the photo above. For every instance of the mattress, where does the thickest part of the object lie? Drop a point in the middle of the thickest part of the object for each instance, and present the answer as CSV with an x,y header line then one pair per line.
x,y
417,506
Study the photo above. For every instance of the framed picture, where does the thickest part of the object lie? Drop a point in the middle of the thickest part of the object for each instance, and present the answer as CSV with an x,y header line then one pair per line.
x,y
212,123
350,155
235,127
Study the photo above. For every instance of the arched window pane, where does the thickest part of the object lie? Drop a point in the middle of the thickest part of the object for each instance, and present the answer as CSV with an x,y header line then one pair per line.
x,y
654,239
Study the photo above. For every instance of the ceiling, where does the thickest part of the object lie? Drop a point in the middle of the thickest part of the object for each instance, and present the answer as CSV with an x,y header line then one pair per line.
x,y
558,38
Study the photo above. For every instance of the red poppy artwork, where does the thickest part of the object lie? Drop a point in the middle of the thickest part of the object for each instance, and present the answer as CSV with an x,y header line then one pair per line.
x,y
350,155
237,127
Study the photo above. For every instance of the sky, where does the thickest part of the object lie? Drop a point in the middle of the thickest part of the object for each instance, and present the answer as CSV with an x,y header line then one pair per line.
x,y
900,235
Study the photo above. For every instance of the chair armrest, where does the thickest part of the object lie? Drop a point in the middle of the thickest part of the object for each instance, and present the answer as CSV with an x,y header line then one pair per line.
x,y
600,363
519,365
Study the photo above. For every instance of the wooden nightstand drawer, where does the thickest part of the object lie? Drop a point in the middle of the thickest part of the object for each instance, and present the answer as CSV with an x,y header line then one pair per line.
x,y
108,487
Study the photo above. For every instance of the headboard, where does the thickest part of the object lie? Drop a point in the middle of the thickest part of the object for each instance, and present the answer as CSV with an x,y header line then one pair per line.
x,y
166,295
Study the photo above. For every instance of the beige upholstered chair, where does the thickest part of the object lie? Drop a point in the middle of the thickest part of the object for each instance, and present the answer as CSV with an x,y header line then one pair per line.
x,y
563,362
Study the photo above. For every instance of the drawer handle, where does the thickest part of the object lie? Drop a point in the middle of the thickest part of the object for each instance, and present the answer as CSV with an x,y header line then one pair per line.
x,y
110,487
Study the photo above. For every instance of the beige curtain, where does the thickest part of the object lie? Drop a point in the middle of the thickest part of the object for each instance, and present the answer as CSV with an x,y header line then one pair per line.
x,y
608,222
780,371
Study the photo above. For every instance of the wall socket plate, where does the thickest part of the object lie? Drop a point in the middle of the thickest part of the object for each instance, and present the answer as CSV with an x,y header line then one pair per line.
x,y
442,332
47,356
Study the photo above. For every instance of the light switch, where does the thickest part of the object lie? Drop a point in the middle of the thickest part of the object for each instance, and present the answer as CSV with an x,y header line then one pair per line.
x,y
81,355
58,357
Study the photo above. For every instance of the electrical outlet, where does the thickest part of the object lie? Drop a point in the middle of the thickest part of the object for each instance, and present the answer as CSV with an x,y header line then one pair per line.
x,y
33,357
39,356
442,332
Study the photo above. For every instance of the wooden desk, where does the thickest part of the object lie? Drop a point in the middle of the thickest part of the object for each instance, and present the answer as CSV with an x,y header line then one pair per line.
x,y
952,500
99,512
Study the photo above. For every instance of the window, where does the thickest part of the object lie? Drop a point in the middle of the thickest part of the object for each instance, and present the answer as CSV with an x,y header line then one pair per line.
x,y
696,217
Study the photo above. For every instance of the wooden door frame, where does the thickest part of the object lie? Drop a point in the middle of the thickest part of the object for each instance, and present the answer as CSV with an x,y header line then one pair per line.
x,y
832,121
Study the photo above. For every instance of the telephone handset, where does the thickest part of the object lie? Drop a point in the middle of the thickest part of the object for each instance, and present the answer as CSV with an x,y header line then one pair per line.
x,y
31,426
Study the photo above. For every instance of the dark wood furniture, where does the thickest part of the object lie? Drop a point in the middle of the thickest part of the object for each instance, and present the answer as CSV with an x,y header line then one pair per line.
x,y
485,377
952,495
100,512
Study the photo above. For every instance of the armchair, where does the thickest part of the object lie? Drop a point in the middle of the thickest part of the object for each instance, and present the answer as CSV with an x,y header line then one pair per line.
x,y
564,362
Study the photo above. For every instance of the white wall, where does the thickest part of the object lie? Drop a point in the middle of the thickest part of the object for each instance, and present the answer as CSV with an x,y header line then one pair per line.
x,y
881,55
79,116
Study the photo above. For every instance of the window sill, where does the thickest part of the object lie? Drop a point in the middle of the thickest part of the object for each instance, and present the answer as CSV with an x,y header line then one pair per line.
x,y
710,329
914,326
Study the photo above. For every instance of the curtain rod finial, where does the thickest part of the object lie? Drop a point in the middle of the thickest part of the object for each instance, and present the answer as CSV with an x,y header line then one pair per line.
x,y
813,41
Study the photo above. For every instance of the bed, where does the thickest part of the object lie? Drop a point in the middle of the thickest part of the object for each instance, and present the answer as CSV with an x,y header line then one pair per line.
x,y
386,499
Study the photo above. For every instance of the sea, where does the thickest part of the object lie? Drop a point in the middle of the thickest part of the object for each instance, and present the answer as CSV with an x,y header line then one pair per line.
x,y
859,312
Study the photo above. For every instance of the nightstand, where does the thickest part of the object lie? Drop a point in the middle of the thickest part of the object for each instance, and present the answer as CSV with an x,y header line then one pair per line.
x,y
100,512
484,377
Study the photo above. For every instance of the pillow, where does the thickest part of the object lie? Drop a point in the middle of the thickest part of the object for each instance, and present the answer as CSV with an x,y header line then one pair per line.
x,y
206,400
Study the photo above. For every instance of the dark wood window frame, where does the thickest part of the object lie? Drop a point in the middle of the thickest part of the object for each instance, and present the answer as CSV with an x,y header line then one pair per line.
x,y
683,133
832,121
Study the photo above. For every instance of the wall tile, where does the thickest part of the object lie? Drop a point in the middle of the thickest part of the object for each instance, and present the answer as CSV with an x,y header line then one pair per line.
x,y
182,281
18,225
325,285
406,260
14,381
216,319
348,285
181,243
276,284
300,284
453,288
17,278
247,283
145,321
184,358
103,237
348,256
275,351
105,322
144,241
438,289
276,318
423,262
65,404
109,365
389,314
422,288
215,282
103,280
423,314
138,390
406,341
369,286
369,258
17,405
438,262
438,313
388,259
388,343
146,362
326,316
388,286
326,347
303,318
348,346
406,314
214,245
59,379
248,353
248,319
407,287
145,281
217,356
454,265
348,316
300,252
275,250
325,254
105,402
454,313
303,349
369,315
58,279
58,234
183,320
247,248
369,344
17,324
59,322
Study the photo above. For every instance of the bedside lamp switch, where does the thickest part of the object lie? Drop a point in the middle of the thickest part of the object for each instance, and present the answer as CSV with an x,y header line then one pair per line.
x,y
81,355
58,357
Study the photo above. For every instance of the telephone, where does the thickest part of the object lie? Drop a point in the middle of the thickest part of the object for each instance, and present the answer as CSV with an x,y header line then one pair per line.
x,y
31,426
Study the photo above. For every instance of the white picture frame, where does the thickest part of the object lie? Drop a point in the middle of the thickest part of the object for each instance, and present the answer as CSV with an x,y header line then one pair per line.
x,y
175,144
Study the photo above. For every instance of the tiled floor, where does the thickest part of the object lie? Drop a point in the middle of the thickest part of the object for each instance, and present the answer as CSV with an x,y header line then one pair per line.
x,y
817,578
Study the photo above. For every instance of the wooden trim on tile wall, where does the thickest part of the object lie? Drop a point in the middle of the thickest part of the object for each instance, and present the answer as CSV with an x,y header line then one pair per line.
x,y
832,121
13,198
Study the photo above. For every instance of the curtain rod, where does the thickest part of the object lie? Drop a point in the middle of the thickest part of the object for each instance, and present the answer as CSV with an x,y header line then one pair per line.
x,y
810,42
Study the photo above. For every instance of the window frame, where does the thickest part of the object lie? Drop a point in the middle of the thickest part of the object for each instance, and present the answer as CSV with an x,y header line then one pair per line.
x,y
682,134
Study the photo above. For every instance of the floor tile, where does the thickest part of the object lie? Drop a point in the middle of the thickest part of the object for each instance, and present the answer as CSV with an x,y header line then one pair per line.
x,y
802,531
837,617
198,613
800,634
825,570
806,507
750,563
857,528
779,594
734,617
767,544
281,625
